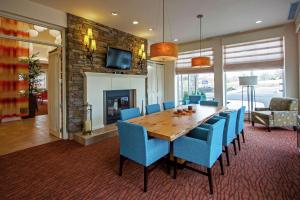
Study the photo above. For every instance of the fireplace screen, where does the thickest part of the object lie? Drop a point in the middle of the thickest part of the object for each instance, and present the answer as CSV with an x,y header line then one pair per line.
x,y
115,101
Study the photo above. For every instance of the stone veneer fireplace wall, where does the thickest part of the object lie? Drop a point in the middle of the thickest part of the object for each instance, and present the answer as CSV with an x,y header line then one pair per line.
x,y
77,62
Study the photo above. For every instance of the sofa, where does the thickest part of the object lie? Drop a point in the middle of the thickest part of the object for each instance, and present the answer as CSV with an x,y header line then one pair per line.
x,y
282,112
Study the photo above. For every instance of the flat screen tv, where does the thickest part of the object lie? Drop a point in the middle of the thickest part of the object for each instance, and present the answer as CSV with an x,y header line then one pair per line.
x,y
118,58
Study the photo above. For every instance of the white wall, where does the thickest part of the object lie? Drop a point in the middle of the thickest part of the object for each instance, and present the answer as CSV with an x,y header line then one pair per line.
x,y
170,81
291,55
34,11
95,83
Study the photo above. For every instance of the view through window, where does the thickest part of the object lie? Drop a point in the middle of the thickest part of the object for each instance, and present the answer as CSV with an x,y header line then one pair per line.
x,y
195,84
270,84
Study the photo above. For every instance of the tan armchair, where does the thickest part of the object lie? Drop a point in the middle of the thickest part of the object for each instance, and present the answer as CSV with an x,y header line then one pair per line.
x,y
282,112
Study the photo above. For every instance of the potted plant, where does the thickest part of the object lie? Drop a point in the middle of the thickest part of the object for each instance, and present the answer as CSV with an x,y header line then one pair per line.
x,y
34,70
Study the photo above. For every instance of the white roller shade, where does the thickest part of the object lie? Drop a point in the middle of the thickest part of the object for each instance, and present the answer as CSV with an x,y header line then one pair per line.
x,y
184,61
262,54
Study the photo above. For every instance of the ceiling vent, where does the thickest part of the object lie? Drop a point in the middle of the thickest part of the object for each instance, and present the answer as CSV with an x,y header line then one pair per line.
x,y
293,10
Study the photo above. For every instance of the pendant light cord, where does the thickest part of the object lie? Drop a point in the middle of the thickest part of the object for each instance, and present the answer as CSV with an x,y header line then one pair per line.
x,y
200,16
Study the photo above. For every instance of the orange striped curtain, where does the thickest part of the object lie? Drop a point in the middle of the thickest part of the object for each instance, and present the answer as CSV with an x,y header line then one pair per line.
x,y
13,89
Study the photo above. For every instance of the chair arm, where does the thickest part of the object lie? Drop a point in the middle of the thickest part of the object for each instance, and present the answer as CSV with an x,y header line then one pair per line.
x,y
262,109
285,118
191,149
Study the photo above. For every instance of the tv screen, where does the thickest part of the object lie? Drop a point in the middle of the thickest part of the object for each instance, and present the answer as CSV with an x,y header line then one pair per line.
x,y
117,58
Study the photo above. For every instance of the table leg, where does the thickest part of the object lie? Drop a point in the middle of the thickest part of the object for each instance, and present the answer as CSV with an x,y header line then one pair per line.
x,y
170,158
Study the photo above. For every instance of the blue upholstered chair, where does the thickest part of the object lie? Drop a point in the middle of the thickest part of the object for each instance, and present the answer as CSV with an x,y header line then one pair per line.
x,y
136,146
168,105
153,108
240,125
209,102
129,113
229,134
203,146
195,99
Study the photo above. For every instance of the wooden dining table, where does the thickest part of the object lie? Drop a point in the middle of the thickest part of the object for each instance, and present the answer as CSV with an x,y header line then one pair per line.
x,y
169,126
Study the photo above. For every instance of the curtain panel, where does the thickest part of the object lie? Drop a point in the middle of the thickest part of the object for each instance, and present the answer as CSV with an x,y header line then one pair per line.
x,y
13,89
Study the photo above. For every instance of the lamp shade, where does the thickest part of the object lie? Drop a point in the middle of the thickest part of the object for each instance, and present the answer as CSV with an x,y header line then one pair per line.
x,y
248,80
201,61
163,51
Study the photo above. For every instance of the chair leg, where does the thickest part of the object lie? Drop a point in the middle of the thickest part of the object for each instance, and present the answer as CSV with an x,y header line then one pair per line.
x,y
295,128
175,168
221,164
210,180
234,146
269,129
122,159
227,156
239,142
253,123
145,178
243,134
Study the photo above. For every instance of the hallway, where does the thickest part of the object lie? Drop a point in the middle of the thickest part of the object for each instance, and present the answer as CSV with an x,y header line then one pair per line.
x,y
25,133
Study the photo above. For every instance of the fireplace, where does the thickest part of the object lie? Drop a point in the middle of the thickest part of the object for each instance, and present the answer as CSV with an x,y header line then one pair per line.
x,y
114,101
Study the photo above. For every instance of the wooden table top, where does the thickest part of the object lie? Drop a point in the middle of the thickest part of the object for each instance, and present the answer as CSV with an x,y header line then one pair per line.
x,y
169,126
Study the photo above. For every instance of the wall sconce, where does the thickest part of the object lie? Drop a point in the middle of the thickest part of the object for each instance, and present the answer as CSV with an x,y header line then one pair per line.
x,y
141,56
90,44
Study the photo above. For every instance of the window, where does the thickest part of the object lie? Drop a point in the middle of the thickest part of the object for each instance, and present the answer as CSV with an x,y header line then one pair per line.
x,y
190,80
263,59
192,84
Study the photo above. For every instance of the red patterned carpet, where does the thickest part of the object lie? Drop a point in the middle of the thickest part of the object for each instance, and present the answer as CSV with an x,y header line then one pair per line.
x,y
268,167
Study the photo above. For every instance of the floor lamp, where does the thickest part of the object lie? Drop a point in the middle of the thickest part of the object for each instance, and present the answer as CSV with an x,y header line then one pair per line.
x,y
249,82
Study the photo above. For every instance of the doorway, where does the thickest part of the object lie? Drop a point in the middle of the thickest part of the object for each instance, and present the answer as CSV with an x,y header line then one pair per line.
x,y
31,84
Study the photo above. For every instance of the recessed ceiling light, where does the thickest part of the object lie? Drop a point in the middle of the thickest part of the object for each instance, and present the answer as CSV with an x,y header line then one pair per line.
x,y
114,13
176,40
150,29
135,22
258,22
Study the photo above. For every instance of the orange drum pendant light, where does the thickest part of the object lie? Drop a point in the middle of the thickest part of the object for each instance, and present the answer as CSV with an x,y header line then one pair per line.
x,y
163,51
201,61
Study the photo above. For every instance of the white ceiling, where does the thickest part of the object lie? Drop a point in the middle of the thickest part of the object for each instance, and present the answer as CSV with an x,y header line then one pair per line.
x,y
220,16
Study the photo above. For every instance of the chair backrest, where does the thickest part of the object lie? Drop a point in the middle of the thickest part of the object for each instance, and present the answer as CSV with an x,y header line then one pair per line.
x,y
195,98
283,104
129,113
209,103
133,141
240,119
153,108
215,139
168,105
230,126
